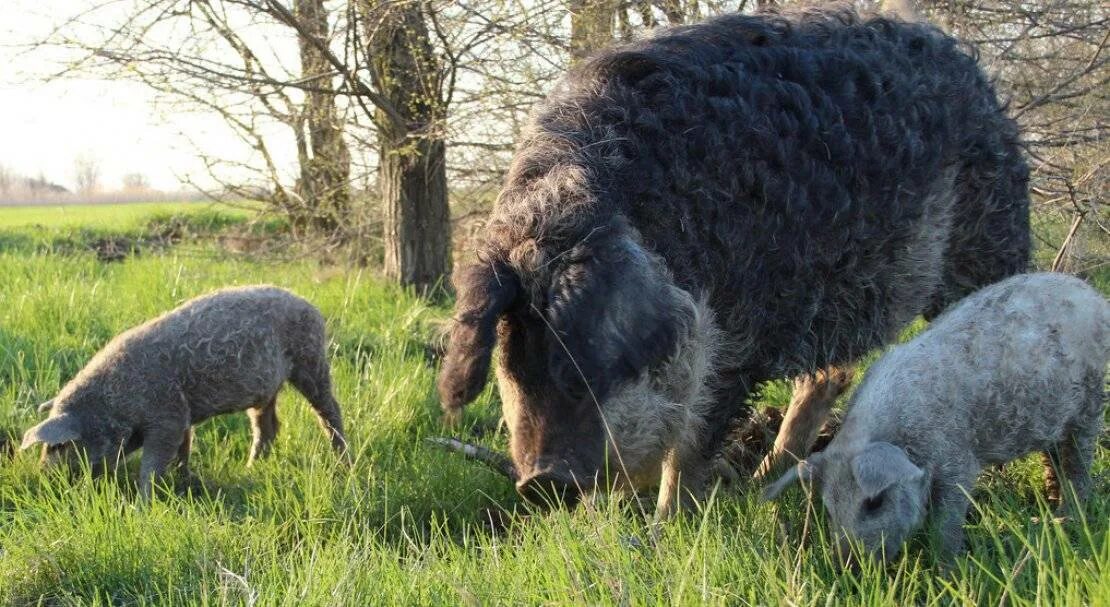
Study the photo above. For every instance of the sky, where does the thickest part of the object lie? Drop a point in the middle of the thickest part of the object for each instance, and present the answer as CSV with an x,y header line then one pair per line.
x,y
45,126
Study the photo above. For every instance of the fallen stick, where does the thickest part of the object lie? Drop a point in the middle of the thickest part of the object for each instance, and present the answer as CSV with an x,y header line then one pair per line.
x,y
493,459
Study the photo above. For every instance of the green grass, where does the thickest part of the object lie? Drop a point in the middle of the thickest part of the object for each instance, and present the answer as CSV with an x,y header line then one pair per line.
x,y
402,525
133,227
91,216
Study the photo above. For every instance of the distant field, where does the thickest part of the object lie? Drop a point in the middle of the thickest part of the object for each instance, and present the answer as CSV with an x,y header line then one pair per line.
x,y
404,525
93,216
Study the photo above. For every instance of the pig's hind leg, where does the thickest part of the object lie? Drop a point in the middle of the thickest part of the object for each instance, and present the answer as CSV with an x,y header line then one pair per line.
x,y
183,454
311,376
1076,451
1051,460
813,399
264,427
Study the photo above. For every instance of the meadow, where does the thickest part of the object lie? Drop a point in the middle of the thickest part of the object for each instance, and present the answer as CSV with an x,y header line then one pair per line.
x,y
405,524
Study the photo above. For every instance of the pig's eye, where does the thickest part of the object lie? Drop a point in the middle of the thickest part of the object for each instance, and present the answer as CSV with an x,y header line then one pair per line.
x,y
872,505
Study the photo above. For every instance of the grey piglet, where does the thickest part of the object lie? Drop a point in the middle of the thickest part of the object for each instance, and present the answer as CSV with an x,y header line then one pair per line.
x,y
1015,368
228,351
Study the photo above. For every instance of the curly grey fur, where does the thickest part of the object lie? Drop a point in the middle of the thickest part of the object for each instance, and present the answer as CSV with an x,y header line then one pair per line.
x,y
219,353
1015,368
818,179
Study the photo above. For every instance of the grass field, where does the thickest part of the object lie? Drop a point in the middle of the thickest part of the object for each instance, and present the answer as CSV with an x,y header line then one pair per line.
x,y
121,217
402,526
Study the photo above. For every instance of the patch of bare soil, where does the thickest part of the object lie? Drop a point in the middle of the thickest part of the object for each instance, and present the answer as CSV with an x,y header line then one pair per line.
x,y
246,244
115,248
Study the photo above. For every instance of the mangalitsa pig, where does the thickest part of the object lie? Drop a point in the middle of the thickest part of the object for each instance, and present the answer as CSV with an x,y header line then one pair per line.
x,y
1015,368
227,351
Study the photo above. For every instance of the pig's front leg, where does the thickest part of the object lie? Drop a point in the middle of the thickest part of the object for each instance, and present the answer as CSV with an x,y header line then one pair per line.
x,y
950,503
683,481
162,443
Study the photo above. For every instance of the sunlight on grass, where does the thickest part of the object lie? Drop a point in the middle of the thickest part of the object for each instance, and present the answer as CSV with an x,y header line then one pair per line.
x,y
118,216
404,524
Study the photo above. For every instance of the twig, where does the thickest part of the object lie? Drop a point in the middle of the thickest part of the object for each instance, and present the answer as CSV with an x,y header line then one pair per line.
x,y
489,457
1058,261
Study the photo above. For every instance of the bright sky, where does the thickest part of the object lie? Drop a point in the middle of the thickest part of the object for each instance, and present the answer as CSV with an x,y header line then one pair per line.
x,y
46,126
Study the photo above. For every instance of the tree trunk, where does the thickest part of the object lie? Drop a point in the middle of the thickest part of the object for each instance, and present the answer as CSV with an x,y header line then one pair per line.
x,y
324,184
413,183
903,8
673,10
6,178
591,26
412,174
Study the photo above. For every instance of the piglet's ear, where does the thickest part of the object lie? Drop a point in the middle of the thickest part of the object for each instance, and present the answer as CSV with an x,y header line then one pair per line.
x,y
45,407
805,471
54,431
615,314
881,465
485,292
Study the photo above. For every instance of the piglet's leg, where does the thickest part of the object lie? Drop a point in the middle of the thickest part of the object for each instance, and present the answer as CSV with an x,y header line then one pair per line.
x,y
312,377
950,504
1076,454
183,453
814,396
161,444
1077,450
264,424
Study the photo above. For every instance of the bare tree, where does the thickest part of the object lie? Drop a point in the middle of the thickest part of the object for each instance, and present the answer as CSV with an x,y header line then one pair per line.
x,y
376,75
411,117
7,180
1051,60
135,182
903,8
393,61
325,162
596,23
86,174
591,25
206,54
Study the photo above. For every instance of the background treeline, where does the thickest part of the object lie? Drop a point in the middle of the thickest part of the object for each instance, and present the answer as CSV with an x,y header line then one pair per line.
x,y
401,114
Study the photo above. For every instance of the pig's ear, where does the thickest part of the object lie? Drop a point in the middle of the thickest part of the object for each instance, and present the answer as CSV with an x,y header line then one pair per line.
x,y
54,431
881,465
615,314
805,471
45,407
485,292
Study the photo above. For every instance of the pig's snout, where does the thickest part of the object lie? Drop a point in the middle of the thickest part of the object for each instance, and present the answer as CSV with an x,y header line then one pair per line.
x,y
551,487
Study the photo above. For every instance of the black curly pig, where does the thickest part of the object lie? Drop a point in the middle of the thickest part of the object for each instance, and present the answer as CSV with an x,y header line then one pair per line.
x,y
718,205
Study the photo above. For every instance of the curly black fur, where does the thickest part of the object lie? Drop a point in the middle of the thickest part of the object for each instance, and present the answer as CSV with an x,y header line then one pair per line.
x,y
820,178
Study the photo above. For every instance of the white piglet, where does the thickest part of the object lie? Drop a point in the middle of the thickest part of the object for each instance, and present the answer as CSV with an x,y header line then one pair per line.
x,y
1014,368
